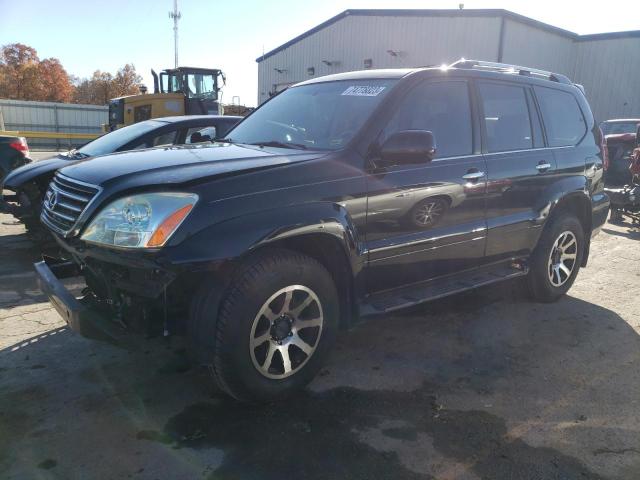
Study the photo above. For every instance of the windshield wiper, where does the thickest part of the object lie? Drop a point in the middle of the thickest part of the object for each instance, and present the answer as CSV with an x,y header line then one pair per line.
x,y
75,154
275,143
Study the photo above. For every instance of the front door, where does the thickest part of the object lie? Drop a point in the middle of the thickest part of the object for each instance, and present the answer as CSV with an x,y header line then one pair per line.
x,y
426,220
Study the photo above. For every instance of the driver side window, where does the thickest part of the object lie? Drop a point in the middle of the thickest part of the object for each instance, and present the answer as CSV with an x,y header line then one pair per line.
x,y
442,108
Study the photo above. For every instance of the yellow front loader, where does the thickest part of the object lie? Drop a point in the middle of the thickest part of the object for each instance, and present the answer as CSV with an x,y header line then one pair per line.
x,y
177,91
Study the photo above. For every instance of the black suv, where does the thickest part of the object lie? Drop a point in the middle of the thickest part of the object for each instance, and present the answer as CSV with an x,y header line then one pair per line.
x,y
342,197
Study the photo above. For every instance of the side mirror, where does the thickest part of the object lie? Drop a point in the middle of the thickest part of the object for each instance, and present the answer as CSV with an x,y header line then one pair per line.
x,y
408,146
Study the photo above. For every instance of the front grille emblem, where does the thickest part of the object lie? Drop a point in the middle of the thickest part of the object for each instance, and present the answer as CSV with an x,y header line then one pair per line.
x,y
51,199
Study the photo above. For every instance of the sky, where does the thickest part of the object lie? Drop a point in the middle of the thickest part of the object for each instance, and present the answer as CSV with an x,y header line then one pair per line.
x,y
89,35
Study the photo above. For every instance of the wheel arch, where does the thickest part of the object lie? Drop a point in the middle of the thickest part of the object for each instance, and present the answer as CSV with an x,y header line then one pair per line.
x,y
324,232
579,204
330,253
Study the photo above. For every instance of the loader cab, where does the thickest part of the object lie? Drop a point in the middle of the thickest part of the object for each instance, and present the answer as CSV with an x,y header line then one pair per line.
x,y
200,87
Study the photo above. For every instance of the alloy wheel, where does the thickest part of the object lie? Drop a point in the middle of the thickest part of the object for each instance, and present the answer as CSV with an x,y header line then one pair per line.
x,y
562,259
286,332
428,213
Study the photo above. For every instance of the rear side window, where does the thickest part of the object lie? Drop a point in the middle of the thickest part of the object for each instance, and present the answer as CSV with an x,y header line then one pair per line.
x,y
443,109
167,138
506,117
562,117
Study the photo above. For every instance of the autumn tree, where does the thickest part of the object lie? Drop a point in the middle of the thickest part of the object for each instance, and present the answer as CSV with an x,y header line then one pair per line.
x,y
19,69
56,84
103,86
126,81
23,76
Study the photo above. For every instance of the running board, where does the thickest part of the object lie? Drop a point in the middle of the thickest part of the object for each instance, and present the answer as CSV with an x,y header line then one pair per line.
x,y
414,294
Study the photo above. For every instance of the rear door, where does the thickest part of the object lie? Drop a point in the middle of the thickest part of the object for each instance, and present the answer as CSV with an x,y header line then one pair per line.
x,y
574,147
427,220
519,167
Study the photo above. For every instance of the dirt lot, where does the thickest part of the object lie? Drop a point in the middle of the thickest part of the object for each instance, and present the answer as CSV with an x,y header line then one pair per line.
x,y
484,385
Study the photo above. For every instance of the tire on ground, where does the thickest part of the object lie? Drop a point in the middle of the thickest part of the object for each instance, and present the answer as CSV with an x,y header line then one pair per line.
x,y
232,367
539,284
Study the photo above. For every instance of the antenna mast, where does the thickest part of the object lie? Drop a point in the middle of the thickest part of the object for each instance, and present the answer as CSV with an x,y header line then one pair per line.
x,y
175,15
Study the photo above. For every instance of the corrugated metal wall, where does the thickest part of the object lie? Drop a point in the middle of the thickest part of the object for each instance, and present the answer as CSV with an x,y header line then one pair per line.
x,y
608,68
53,117
528,46
610,73
417,40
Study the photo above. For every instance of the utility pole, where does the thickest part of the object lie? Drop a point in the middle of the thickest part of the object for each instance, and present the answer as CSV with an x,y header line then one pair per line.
x,y
175,15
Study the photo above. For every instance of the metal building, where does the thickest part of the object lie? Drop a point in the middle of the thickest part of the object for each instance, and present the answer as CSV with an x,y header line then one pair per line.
x,y
607,64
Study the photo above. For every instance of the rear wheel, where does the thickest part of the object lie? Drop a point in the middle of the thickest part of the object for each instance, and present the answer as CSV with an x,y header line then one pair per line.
x,y
557,258
275,327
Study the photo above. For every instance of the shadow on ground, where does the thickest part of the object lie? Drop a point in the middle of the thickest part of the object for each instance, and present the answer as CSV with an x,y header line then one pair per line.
x,y
632,231
480,385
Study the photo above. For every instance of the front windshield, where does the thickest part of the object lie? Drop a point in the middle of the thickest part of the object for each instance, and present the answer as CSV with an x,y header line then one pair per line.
x,y
610,128
110,142
201,85
321,116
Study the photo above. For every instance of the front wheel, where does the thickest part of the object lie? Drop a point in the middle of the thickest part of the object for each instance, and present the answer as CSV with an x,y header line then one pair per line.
x,y
557,258
275,327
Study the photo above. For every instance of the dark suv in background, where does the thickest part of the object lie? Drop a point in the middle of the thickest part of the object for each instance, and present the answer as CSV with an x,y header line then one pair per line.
x,y
343,197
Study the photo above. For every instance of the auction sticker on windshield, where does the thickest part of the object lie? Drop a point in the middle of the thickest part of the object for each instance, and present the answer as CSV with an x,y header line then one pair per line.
x,y
363,91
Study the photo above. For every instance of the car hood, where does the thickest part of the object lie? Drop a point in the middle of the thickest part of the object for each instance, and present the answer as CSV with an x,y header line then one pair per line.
x,y
180,164
29,172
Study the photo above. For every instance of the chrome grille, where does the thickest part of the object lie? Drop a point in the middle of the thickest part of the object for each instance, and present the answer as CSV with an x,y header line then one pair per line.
x,y
64,202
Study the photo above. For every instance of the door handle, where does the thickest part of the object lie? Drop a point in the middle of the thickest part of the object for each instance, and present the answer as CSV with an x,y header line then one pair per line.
x,y
543,166
471,176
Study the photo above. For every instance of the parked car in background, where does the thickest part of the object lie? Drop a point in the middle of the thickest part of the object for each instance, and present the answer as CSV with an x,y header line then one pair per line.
x,y
619,125
620,147
622,179
14,152
28,183
342,197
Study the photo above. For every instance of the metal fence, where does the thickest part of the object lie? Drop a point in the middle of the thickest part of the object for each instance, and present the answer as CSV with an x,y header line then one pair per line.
x,y
43,117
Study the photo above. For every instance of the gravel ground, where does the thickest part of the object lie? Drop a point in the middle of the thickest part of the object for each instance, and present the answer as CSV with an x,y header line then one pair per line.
x,y
483,385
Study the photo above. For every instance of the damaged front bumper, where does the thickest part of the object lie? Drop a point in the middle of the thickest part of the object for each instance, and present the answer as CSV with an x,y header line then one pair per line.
x,y
78,314
123,302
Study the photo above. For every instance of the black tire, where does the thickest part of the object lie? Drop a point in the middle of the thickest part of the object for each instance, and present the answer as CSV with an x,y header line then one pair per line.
x,y
616,216
233,363
540,286
33,195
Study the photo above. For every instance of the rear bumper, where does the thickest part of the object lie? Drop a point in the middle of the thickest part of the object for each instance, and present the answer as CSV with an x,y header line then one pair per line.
x,y
77,312
600,204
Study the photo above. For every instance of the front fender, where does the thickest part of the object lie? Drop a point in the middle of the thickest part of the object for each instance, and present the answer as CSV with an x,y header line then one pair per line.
x,y
43,169
235,237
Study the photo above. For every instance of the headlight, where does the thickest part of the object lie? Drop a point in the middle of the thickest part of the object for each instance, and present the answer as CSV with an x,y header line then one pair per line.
x,y
140,221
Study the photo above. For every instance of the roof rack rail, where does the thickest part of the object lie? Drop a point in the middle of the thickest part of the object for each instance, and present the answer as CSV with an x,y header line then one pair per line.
x,y
512,69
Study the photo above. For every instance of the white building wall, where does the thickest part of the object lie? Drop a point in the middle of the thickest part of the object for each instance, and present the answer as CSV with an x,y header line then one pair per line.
x,y
529,46
608,68
610,72
419,41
